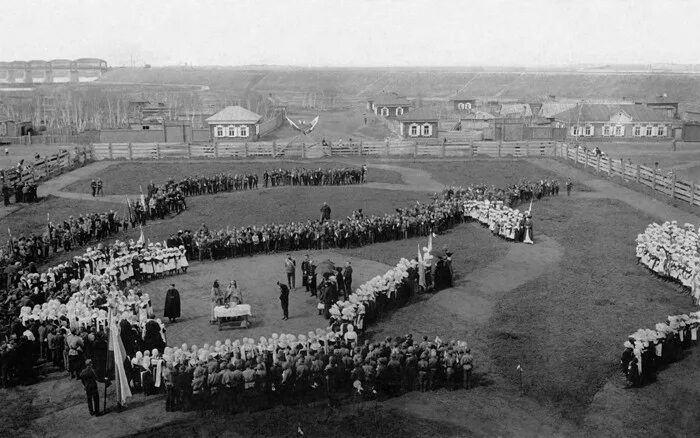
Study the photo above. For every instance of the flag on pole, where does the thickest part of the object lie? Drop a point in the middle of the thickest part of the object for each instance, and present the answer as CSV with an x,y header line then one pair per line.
x,y
529,210
128,207
143,199
421,270
116,345
430,243
142,239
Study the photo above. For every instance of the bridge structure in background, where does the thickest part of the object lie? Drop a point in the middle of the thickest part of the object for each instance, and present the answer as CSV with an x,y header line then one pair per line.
x,y
56,71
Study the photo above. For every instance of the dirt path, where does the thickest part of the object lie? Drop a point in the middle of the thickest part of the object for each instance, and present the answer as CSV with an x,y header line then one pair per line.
x,y
608,189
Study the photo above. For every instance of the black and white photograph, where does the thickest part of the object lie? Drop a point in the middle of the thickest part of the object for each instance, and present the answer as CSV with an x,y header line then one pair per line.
x,y
350,218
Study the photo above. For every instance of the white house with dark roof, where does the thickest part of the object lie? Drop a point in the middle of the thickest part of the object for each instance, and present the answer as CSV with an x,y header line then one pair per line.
x,y
389,105
234,123
599,121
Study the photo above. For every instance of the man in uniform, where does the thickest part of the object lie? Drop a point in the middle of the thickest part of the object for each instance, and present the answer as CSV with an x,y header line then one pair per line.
x,y
93,186
347,278
569,186
284,300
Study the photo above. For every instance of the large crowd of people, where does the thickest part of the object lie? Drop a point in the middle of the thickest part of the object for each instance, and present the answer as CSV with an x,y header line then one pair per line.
x,y
72,299
671,252
487,205
648,349
249,375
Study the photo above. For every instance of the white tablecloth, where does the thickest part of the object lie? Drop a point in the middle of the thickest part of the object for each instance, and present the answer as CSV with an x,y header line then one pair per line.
x,y
231,312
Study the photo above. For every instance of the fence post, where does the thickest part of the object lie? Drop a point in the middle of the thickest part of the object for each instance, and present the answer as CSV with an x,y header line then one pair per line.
x,y
303,150
622,166
415,150
245,149
638,174
157,151
386,147
653,181
359,149
131,151
471,145
499,149
692,192
673,185
597,165
109,148
442,152
274,149
216,150
29,138
527,149
189,150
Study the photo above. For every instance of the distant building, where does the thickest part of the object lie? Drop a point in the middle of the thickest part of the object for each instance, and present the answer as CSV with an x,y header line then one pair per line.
x,y
463,103
12,128
389,105
662,103
604,121
475,120
420,123
234,123
515,110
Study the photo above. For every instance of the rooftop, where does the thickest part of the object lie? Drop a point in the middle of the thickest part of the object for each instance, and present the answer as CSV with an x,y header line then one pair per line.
x,y
390,99
234,114
603,113
423,114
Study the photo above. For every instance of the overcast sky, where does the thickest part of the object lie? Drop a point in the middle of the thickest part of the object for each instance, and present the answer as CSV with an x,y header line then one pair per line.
x,y
353,32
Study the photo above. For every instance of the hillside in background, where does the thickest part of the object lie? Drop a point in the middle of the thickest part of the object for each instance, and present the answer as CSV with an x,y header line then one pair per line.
x,y
356,84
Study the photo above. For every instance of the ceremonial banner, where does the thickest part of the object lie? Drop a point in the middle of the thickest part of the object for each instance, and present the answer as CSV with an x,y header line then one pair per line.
x,y
116,345
421,270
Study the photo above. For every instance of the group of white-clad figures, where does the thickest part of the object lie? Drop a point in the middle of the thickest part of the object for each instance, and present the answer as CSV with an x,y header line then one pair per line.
x,y
503,221
672,252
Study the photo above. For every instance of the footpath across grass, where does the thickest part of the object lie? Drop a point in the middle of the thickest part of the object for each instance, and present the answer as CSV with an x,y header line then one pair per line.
x,y
566,328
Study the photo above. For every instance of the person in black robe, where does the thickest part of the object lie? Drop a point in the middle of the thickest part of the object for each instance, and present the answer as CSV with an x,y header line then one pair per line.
x,y
172,304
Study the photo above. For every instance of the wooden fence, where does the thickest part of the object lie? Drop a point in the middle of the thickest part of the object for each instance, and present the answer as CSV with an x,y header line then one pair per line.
x,y
157,151
47,167
658,180
81,139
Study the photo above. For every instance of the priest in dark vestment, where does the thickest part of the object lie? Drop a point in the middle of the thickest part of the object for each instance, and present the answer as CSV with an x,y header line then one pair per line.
x,y
172,304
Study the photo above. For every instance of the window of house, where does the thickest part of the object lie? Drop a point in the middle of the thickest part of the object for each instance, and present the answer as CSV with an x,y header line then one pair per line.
x,y
650,131
146,127
399,111
588,132
413,131
467,106
219,131
243,131
385,111
460,106
231,131
427,129
619,130
661,131
607,131
637,131
575,131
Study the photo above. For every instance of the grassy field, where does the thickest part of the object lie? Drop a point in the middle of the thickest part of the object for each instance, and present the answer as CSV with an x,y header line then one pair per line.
x,y
125,178
561,308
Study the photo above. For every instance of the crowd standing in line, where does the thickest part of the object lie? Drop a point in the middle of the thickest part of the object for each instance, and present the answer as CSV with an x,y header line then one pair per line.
x,y
671,252
646,350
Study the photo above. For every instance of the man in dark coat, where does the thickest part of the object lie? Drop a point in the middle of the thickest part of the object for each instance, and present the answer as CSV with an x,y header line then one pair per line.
x,y
325,212
172,304
89,379
284,300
